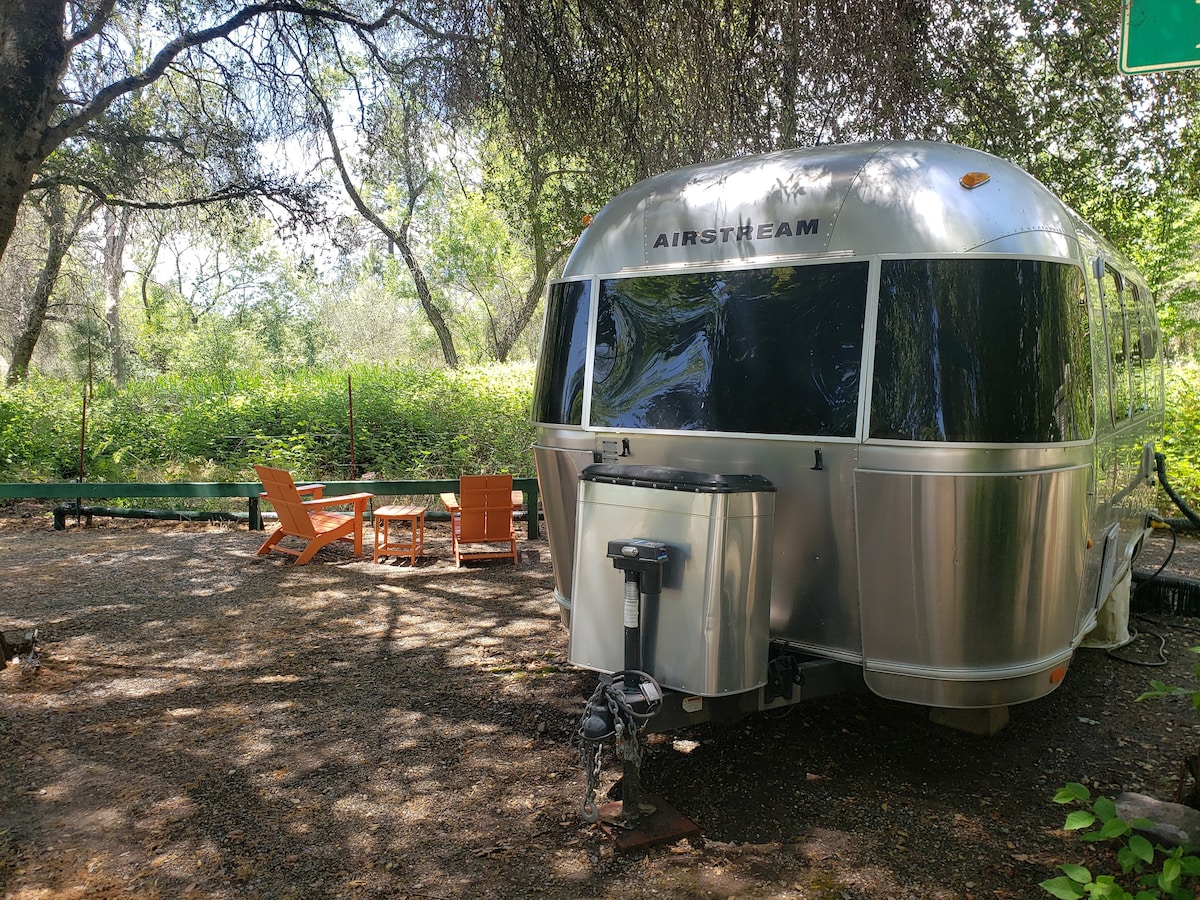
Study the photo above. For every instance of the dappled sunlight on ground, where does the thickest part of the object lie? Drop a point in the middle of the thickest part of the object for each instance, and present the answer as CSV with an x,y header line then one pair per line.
x,y
209,723
241,717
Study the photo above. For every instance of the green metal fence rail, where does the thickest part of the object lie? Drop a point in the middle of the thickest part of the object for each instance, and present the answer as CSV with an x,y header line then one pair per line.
x,y
73,491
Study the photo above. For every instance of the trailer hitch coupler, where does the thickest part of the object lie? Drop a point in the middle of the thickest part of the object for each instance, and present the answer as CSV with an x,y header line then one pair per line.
x,y
599,723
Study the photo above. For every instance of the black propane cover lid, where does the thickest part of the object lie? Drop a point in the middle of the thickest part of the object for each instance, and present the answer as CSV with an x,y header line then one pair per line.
x,y
670,479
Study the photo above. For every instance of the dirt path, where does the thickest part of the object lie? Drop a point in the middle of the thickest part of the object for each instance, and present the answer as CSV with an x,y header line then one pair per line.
x,y
206,723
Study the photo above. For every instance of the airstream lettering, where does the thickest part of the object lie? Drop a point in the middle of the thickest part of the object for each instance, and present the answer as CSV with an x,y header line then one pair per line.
x,y
913,451
764,231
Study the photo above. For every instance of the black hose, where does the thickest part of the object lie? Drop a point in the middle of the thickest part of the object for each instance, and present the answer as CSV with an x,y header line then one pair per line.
x,y
1152,664
1160,466
1179,524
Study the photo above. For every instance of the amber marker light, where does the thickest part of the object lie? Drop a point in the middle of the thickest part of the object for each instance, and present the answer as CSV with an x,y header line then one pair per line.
x,y
1058,674
587,220
974,179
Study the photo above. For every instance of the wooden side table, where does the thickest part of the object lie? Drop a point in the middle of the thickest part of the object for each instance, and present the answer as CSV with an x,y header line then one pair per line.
x,y
389,544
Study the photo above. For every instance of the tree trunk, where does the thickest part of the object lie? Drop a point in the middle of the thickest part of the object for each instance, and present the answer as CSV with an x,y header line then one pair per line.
x,y
32,315
33,55
545,258
398,237
436,319
507,338
116,230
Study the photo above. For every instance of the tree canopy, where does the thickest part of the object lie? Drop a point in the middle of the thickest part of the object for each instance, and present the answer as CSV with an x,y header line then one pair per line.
x,y
539,110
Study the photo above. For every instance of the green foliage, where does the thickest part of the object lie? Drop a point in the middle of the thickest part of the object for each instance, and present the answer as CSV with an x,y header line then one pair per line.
x,y
39,429
235,300
1174,877
408,423
1181,439
481,268
1159,689
1165,248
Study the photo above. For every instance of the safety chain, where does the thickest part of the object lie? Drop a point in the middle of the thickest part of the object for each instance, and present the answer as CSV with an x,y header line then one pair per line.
x,y
589,755
627,745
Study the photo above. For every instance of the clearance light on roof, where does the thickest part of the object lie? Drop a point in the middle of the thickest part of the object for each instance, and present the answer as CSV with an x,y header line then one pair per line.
x,y
974,179
587,220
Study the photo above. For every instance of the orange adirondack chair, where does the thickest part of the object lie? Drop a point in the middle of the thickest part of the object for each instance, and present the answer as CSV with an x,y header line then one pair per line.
x,y
308,519
481,518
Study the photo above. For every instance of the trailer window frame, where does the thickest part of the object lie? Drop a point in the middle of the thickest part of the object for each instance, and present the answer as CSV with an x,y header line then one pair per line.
x,y
1137,364
1151,338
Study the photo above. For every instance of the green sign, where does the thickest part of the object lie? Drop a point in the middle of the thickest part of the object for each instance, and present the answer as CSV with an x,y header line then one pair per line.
x,y
1158,35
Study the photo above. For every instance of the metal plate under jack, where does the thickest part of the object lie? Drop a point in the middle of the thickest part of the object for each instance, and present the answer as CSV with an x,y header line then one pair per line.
x,y
666,825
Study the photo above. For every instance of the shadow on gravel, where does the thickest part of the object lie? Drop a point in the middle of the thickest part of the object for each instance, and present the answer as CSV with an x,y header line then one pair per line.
x,y
207,723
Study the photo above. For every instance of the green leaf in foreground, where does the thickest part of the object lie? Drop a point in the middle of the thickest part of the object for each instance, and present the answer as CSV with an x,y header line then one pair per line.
x,y
1080,818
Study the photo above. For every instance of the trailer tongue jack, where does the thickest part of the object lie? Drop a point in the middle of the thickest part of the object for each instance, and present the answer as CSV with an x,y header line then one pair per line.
x,y
624,701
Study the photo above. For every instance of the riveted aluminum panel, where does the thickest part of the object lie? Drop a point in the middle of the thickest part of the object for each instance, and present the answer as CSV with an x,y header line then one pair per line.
x,y
909,200
558,469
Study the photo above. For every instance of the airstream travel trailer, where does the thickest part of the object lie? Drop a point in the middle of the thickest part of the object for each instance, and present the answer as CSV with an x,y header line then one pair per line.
x,y
886,408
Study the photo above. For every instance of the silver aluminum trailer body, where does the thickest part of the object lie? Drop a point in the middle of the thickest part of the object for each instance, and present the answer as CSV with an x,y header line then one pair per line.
x,y
951,380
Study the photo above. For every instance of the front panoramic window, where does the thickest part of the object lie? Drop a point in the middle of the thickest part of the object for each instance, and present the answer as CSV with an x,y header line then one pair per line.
x,y
764,351
988,350
558,391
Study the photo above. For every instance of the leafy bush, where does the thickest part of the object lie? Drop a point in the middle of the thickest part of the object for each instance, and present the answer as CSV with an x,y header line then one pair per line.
x,y
1181,439
1174,877
39,429
408,423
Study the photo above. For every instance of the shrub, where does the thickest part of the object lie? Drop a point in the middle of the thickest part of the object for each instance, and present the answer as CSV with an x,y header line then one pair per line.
x,y
408,423
1175,875
1181,439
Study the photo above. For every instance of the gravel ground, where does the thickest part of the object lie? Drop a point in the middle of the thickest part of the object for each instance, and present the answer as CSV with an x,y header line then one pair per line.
x,y
207,723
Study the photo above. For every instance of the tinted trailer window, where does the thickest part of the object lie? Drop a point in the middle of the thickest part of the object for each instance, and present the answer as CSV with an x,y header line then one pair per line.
x,y
986,350
763,351
558,391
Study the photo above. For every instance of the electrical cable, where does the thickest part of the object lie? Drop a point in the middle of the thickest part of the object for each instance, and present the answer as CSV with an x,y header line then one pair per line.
x,y
1167,559
1178,626
1135,634
776,714
1160,466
